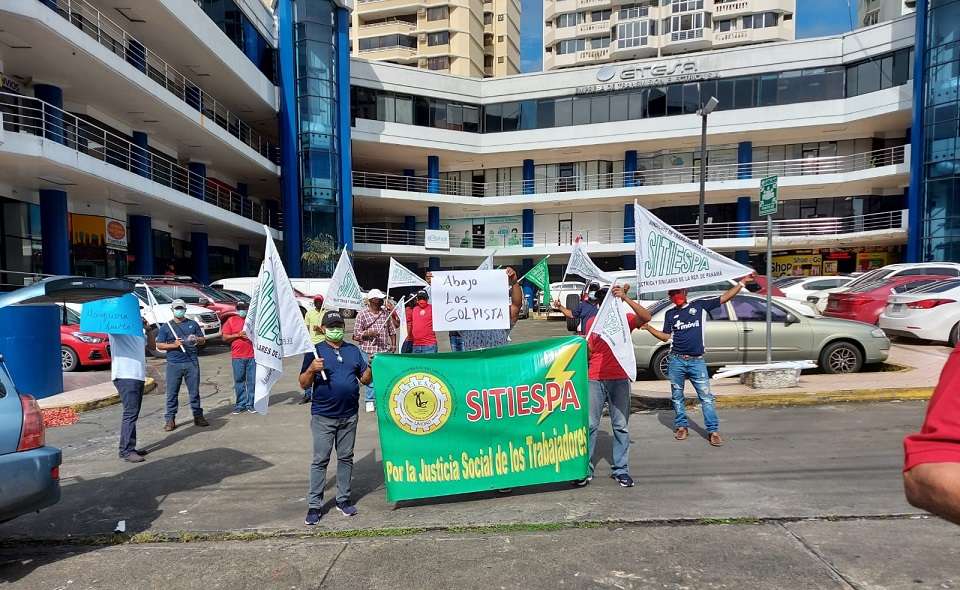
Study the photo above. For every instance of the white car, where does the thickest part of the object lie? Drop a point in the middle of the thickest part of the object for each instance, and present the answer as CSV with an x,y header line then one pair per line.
x,y
155,309
930,312
559,292
819,300
303,289
799,288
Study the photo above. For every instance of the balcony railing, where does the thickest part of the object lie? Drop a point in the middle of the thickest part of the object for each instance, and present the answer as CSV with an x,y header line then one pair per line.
x,y
108,34
683,175
802,228
22,114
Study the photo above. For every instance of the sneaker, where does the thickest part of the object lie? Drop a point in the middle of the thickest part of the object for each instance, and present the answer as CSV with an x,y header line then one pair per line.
x,y
346,509
252,411
236,411
624,480
313,517
132,458
200,421
169,425
582,482
141,452
371,407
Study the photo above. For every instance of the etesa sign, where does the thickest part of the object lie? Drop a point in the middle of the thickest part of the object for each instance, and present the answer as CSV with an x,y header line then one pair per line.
x,y
612,78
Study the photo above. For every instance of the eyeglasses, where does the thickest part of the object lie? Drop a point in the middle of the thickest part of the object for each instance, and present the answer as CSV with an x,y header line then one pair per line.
x,y
339,358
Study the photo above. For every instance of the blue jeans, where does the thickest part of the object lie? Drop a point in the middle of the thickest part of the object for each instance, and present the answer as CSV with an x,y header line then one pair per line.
x,y
370,394
424,349
177,372
244,373
695,370
616,394
456,342
131,396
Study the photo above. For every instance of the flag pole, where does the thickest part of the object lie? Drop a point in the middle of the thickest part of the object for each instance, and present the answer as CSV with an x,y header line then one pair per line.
x,y
150,299
531,270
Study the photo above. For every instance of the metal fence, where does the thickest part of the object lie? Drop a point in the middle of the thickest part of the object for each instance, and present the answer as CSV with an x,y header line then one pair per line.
x,y
21,114
660,177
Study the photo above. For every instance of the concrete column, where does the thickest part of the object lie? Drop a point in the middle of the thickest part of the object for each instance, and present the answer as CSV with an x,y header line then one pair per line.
x,y
434,263
629,230
433,218
527,230
52,111
629,261
629,167
410,225
140,155
743,217
529,178
246,207
141,244
243,260
197,183
136,54
433,174
744,160
200,257
54,232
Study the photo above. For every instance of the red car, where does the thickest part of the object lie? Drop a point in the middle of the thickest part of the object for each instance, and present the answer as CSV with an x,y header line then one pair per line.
x,y
79,349
865,302
196,294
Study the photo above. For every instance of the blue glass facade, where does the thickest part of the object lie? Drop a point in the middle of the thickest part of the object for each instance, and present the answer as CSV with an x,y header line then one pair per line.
x,y
232,21
314,71
934,197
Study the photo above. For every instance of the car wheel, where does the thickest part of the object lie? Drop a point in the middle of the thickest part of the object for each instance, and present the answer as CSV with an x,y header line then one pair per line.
x,y
839,358
955,335
660,364
572,325
69,361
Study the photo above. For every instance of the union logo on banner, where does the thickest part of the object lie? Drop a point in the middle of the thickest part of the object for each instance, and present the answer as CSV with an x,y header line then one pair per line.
x,y
269,322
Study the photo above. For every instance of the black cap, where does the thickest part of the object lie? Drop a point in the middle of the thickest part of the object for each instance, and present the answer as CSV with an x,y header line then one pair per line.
x,y
422,295
242,305
332,319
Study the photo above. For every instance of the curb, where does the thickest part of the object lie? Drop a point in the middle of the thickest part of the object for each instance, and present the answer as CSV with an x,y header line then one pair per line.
x,y
780,400
113,398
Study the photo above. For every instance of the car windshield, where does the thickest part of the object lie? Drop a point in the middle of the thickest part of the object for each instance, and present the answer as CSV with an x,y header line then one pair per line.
x,y
936,287
239,296
870,277
186,292
141,293
217,296
787,281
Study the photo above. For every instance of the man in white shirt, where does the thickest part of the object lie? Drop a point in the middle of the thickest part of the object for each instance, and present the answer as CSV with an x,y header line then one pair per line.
x,y
128,370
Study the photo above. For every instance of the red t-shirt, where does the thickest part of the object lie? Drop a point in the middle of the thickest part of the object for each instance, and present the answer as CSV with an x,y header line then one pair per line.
x,y
241,348
602,363
939,439
420,324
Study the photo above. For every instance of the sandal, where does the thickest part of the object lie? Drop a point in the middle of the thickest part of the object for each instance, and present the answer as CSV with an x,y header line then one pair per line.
x,y
681,433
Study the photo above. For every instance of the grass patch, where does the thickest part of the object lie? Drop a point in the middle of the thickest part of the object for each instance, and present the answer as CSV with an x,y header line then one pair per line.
x,y
728,521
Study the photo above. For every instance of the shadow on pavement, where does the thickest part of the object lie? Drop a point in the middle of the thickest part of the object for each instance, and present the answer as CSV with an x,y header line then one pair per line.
x,y
666,418
136,495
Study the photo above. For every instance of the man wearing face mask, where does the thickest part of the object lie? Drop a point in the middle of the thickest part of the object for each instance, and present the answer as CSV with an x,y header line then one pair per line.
x,y
584,311
335,376
241,356
180,338
374,332
684,324
420,324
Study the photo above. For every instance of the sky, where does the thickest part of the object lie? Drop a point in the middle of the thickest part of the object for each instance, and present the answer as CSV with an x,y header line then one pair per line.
x,y
815,18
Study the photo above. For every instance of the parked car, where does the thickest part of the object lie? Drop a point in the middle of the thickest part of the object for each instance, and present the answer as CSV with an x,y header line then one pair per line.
x,y
155,309
928,312
196,294
30,470
948,269
864,302
799,288
736,334
80,349
304,298
561,292
236,295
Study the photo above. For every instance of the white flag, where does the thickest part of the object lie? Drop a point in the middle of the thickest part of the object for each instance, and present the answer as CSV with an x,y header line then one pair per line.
x,y
487,263
611,324
581,265
344,290
402,330
274,324
401,276
667,259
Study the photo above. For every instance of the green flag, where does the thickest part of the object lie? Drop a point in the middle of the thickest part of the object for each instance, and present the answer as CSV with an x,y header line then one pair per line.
x,y
473,421
539,276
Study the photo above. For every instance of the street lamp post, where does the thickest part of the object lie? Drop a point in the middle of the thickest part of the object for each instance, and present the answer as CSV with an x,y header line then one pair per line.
x,y
707,108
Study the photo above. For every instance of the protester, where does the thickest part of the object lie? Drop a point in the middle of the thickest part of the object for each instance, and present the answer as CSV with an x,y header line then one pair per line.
x,y
241,356
609,384
375,333
931,470
685,325
334,376
585,309
483,339
314,320
128,371
456,340
420,323
180,339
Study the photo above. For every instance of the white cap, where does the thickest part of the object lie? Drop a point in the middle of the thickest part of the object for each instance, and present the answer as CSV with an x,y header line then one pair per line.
x,y
376,294
178,304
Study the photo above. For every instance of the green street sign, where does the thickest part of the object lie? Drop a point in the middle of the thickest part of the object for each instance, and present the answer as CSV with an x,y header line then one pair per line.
x,y
768,196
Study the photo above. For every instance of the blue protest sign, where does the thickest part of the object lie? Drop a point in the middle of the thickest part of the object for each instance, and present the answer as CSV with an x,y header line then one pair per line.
x,y
117,315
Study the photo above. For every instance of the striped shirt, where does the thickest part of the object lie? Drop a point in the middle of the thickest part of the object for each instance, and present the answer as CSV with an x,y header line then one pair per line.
x,y
379,322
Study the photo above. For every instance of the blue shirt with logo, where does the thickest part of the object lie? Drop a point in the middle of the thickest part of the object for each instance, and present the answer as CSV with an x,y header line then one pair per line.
x,y
182,330
337,396
686,325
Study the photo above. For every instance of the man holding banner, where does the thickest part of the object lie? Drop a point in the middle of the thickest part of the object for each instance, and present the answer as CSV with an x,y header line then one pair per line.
x,y
612,366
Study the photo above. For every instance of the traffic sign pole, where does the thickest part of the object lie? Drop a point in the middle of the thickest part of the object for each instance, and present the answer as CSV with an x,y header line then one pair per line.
x,y
769,204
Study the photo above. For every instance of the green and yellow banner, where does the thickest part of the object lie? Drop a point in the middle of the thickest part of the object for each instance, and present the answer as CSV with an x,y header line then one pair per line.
x,y
465,422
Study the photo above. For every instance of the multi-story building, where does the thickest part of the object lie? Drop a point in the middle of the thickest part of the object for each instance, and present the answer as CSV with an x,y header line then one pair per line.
x,y
473,38
100,129
587,32
872,12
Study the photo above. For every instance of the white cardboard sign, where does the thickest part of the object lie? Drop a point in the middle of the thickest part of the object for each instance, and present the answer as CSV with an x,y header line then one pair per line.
x,y
470,300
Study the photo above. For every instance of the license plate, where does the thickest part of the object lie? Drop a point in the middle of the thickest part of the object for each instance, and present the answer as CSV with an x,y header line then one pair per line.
x,y
896,308
833,304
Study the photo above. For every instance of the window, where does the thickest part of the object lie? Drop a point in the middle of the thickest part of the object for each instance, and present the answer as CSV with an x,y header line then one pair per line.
x,y
499,38
569,20
628,12
686,26
570,46
633,34
685,5
599,16
500,60
752,309
499,18
438,63
488,18
437,13
871,18
929,270
761,20
824,284
440,38
599,42
723,26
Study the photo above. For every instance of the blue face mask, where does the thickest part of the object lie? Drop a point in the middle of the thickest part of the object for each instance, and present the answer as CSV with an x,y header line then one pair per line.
x,y
242,313
179,313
